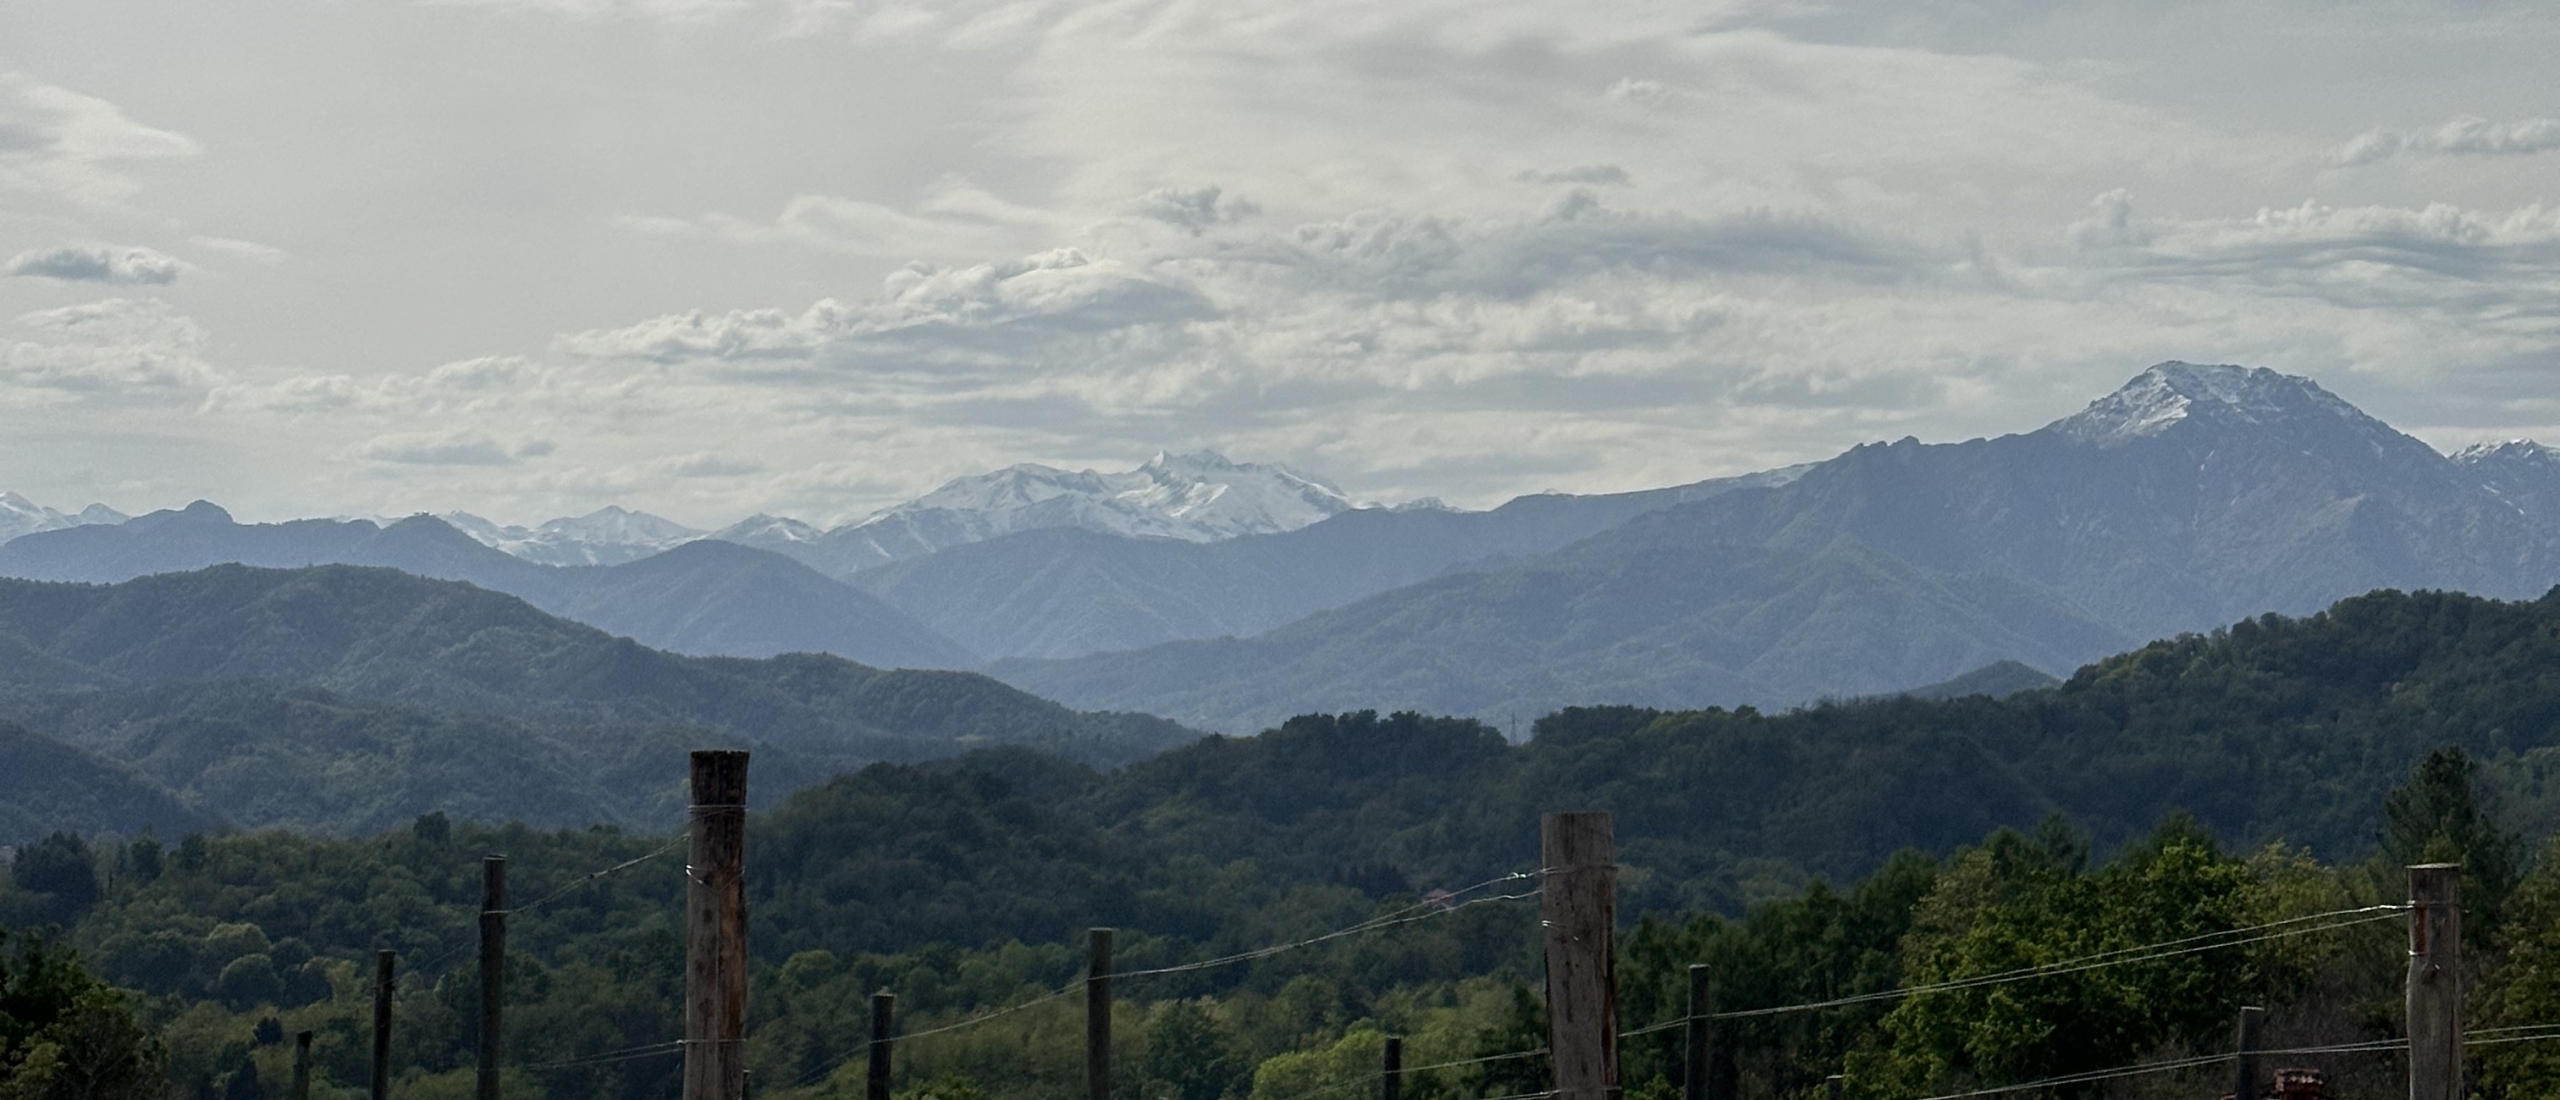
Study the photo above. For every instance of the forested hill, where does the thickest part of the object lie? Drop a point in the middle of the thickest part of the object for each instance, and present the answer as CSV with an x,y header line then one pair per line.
x,y
959,883
2273,729
375,696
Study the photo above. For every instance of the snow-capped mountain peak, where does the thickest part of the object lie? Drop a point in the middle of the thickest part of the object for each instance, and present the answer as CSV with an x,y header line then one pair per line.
x,y
2522,472
20,516
2511,454
2173,394
607,536
1197,497
765,528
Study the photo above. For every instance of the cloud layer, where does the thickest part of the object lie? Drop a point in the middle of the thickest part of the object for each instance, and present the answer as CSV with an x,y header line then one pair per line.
x,y
712,257
97,264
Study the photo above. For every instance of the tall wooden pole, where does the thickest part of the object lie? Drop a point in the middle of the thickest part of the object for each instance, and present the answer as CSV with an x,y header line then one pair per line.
x,y
1831,1085
884,1007
1391,1071
1579,903
1699,1047
1097,1015
385,965
715,986
301,1066
2244,1071
2435,982
493,966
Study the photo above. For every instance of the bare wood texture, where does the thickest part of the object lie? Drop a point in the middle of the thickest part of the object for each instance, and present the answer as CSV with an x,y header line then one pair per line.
x,y
2244,1071
715,991
1579,904
1698,1048
2435,982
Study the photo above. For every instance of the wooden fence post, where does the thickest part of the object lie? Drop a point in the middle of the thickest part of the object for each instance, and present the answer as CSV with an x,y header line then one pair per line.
x,y
1831,1085
1097,1015
493,966
884,1006
1391,1071
385,966
1699,1047
2435,982
2244,1074
301,1066
1579,904
715,987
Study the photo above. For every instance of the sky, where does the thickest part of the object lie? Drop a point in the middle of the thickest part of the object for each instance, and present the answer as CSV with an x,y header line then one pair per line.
x,y
708,258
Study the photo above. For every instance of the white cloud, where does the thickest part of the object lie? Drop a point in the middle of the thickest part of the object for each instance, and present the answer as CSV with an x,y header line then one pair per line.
x,y
1596,175
246,250
954,217
1195,210
2463,136
680,12
456,448
2497,269
58,141
112,351
97,263
707,465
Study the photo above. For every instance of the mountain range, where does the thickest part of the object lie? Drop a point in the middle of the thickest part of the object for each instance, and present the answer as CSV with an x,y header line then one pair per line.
x,y
20,516
705,597
349,699
2193,496
1230,595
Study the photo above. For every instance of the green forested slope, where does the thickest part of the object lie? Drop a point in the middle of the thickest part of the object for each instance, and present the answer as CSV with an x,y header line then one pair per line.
x,y
346,699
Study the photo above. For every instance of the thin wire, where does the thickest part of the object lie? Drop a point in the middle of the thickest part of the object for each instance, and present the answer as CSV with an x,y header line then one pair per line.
x,y
865,1046
2118,957
1478,1061
594,875
2512,1027
2094,1076
1357,1082
402,991
2538,1036
652,1050
1407,915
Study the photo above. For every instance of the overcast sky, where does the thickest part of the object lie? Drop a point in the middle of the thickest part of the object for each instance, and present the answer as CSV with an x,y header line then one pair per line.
x,y
714,257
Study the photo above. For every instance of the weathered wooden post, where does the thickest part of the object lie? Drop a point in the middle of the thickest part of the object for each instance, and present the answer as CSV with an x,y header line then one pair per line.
x,y
385,965
1831,1085
715,986
1699,1046
1391,1071
2435,982
1097,1015
884,1007
1579,904
301,1066
2244,1074
493,966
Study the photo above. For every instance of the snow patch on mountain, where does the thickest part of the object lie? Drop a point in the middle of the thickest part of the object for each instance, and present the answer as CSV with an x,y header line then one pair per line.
x,y
2522,472
2511,455
1198,497
2171,394
768,531
20,516
607,536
